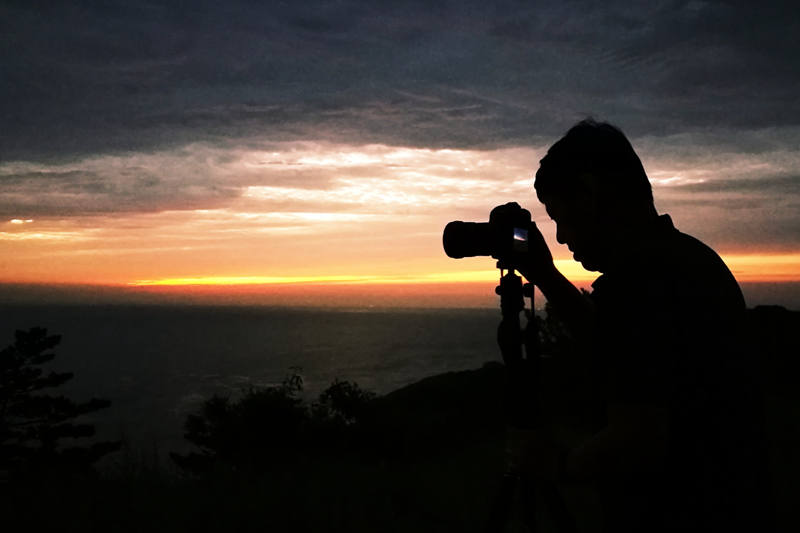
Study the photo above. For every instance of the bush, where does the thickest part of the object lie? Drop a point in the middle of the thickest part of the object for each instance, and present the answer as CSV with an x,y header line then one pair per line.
x,y
271,427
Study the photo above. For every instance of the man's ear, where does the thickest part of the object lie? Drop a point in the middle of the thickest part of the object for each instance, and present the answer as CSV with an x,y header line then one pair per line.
x,y
588,193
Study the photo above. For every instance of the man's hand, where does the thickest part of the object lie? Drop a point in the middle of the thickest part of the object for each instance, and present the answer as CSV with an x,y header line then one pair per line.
x,y
539,257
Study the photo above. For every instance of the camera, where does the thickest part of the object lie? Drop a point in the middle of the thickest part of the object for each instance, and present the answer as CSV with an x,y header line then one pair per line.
x,y
505,234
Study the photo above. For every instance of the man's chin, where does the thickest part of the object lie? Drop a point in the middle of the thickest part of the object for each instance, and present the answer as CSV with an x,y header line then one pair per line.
x,y
587,264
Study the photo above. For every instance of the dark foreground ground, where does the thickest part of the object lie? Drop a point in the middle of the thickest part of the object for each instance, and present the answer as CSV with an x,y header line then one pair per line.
x,y
429,460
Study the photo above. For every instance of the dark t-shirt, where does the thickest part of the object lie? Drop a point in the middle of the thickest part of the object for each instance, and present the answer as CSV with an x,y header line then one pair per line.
x,y
669,322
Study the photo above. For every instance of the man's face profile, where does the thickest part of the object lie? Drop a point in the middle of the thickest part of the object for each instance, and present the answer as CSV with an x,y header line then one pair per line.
x,y
578,226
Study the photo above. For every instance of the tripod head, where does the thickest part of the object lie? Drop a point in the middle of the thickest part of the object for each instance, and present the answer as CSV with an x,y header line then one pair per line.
x,y
510,335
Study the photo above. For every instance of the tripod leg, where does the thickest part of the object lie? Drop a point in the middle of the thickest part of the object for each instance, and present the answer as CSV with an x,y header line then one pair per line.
x,y
500,513
557,509
522,411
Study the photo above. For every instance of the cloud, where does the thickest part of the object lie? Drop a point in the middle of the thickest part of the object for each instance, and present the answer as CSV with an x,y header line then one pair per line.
x,y
204,128
111,184
783,186
268,177
293,186
734,190
81,79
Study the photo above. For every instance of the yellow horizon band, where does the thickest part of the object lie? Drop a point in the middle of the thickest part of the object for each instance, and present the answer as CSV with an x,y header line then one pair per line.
x,y
745,267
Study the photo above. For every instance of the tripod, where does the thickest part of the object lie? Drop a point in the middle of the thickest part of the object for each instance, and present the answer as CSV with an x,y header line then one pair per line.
x,y
522,409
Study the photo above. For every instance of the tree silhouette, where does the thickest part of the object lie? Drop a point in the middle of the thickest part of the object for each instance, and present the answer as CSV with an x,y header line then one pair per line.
x,y
32,423
245,434
270,425
344,403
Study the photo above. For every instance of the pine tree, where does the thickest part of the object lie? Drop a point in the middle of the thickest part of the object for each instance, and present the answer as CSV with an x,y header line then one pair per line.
x,y
32,423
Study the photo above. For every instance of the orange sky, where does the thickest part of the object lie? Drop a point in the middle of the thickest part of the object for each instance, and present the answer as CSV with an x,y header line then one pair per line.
x,y
324,214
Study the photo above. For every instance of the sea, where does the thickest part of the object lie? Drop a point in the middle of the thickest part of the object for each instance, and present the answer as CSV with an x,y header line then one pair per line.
x,y
159,363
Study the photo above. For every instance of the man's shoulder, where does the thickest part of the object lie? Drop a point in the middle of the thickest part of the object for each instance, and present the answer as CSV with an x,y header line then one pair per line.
x,y
687,252
667,247
701,270
673,268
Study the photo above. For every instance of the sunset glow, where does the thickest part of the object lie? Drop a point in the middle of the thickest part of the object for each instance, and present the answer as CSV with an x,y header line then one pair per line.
x,y
334,151
324,214
753,268
467,277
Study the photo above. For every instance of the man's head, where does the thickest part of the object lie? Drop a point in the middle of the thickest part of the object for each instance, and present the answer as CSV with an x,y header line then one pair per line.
x,y
594,187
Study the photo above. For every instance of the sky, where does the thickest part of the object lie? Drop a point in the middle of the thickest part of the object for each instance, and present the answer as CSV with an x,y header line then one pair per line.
x,y
310,151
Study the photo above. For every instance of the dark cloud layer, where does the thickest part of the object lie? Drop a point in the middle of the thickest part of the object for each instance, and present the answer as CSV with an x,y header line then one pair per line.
x,y
739,213
84,78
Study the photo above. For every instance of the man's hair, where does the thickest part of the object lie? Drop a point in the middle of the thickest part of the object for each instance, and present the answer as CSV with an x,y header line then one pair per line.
x,y
602,150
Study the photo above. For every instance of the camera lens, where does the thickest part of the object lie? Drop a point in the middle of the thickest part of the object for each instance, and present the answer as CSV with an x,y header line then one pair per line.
x,y
467,239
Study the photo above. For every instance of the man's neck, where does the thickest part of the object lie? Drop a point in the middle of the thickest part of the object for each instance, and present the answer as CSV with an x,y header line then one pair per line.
x,y
629,240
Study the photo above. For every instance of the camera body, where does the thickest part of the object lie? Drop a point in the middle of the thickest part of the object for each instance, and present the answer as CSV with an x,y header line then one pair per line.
x,y
504,235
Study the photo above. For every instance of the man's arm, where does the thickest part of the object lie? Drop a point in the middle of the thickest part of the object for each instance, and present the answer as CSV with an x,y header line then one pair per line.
x,y
575,309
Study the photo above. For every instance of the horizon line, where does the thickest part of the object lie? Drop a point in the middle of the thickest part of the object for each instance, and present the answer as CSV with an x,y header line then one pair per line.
x,y
756,268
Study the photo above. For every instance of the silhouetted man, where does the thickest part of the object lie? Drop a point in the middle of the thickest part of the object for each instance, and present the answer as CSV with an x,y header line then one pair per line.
x,y
681,443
